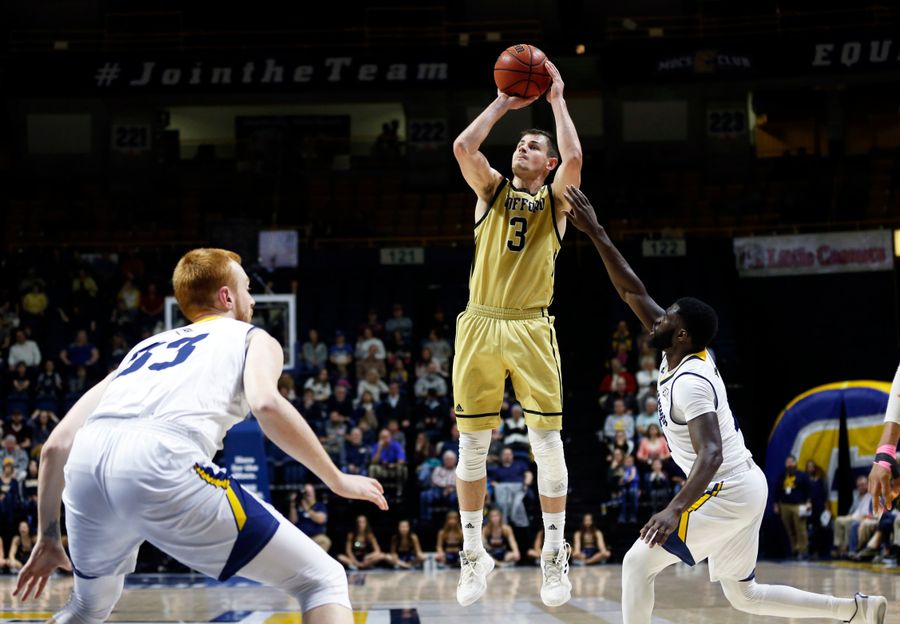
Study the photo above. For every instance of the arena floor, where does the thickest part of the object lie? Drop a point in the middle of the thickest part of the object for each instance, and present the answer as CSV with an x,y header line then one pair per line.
x,y
682,595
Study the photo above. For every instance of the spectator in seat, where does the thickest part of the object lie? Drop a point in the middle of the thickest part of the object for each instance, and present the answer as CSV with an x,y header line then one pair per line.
x,y
118,349
19,457
310,516
357,456
510,481
287,389
313,354
590,547
399,375
653,446
20,384
340,355
78,383
622,355
10,496
515,432
371,361
847,525
619,391
818,497
320,386
621,336
441,351
29,492
130,297
388,461
430,417
648,417
333,437
80,353
394,407
396,434
792,496
495,449
614,474
423,450
398,350
24,351
423,365
372,324
433,380
443,487
49,383
622,443
370,348
439,323
630,484
372,384
361,549
500,541
21,547
449,541
658,486
312,410
35,303
618,420
340,400
399,322
452,443
406,551
21,429
649,374
152,306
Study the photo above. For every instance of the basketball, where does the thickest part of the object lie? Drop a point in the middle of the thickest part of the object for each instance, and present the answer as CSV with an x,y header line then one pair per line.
x,y
521,71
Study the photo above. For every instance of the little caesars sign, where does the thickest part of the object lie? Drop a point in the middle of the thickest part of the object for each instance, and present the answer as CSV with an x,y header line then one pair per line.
x,y
268,72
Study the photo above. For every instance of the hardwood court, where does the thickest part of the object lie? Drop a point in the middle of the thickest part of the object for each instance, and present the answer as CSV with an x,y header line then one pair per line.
x,y
682,595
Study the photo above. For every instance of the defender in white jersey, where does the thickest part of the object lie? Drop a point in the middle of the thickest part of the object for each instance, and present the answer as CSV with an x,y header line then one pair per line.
x,y
140,468
718,512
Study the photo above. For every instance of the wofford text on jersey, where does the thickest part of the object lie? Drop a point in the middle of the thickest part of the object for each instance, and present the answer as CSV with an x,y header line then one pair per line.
x,y
524,203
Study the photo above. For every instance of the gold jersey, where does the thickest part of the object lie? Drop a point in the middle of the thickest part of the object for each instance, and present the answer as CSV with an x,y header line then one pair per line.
x,y
516,244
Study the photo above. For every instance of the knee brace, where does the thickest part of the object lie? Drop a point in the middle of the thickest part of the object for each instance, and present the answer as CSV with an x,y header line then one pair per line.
x,y
552,474
473,450
743,595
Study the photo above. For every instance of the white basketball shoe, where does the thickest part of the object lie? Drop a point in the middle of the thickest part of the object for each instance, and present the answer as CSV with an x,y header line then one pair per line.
x,y
557,588
474,568
869,609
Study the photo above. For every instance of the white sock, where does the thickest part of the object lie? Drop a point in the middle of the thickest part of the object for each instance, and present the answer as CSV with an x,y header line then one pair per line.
x,y
554,531
471,524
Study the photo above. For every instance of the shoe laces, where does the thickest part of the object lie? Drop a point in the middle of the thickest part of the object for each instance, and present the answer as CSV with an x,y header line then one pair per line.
x,y
556,565
470,566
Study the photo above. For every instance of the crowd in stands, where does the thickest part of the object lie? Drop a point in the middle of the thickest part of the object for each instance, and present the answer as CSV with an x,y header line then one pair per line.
x,y
379,397
801,502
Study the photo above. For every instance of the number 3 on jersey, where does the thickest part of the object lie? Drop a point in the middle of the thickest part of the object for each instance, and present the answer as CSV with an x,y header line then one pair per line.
x,y
521,226
185,347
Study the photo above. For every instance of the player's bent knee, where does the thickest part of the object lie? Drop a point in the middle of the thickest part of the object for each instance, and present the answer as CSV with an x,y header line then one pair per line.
x,y
473,451
743,595
552,473
328,587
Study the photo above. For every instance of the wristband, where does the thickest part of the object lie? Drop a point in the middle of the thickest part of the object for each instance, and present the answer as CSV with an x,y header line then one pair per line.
x,y
886,457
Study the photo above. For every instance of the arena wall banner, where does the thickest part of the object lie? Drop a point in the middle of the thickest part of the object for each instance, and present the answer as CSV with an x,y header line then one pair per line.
x,y
245,458
809,429
810,254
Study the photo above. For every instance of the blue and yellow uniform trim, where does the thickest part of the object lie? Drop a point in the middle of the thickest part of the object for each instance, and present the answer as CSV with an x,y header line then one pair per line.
x,y
676,543
255,524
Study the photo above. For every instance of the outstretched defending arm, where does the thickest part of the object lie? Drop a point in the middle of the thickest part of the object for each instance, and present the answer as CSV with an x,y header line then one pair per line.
x,y
883,480
474,166
624,279
288,429
48,553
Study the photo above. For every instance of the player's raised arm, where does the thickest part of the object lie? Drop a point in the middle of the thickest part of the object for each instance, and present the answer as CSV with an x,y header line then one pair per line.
x,y
884,481
569,171
284,425
474,166
48,553
626,282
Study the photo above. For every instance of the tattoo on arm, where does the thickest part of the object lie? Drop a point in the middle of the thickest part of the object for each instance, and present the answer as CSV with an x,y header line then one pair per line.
x,y
51,531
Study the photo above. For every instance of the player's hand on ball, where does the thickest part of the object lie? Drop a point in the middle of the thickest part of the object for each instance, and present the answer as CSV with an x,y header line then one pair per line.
x,y
582,214
513,102
360,488
555,92
660,527
44,559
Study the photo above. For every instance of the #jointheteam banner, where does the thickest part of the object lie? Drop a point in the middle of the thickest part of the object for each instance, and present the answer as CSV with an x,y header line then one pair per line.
x,y
810,254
